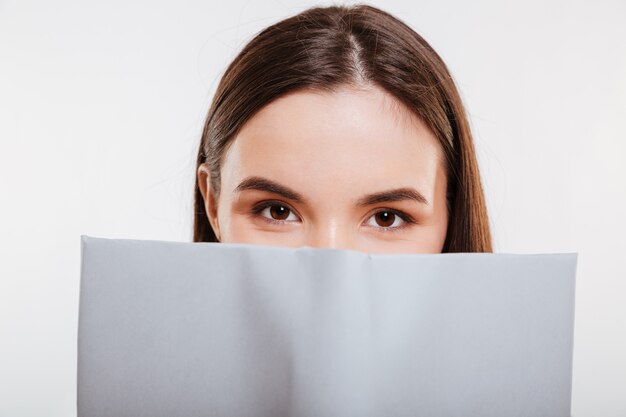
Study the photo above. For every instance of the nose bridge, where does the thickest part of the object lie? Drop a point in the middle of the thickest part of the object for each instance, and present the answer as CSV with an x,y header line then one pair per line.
x,y
331,234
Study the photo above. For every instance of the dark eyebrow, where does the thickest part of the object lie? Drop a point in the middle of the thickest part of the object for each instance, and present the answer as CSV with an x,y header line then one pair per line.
x,y
264,184
398,194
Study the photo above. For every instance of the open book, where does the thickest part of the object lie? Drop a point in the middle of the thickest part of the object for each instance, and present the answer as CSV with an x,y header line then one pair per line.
x,y
217,329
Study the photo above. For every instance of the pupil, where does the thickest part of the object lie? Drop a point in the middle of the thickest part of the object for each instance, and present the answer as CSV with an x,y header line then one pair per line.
x,y
386,217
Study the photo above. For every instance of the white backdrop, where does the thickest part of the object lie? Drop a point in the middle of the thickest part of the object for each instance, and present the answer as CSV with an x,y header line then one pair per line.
x,y
101,109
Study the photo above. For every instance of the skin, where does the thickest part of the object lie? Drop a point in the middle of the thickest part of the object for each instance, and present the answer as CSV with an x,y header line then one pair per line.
x,y
332,149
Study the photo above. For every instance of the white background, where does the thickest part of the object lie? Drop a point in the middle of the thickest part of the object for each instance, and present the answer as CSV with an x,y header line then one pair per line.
x,y
101,109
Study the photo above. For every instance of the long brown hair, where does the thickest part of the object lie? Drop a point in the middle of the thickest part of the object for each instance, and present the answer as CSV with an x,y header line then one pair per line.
x,y
328,47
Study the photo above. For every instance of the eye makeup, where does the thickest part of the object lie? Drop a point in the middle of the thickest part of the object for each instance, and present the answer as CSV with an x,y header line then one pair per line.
x,y
256,211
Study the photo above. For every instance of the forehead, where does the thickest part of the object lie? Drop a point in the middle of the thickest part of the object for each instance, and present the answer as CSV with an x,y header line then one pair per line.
x,y
339,142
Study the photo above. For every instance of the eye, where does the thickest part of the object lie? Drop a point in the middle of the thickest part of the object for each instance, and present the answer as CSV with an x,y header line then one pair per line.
x,y
275,212
389,220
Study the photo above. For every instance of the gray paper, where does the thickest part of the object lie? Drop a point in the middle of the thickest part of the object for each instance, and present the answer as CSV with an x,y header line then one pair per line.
x,y
216,329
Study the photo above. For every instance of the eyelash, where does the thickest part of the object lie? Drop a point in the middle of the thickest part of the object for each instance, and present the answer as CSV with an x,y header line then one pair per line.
x,y
408,221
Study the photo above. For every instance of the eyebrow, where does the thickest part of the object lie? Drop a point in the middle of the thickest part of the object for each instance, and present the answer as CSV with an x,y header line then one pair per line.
x,y
396,194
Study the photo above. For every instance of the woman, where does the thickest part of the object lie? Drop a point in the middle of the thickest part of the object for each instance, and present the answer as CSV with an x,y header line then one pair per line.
x,y
340,127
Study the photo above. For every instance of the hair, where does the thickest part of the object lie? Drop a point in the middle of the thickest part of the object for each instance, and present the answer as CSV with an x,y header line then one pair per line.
x,y
325,48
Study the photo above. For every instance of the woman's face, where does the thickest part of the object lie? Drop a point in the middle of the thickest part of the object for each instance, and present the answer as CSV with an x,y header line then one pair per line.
x,y
347,170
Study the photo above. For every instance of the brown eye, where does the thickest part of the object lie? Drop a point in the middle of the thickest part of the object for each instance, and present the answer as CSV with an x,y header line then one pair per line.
x,y
279,212
385,218
275,213
390,221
